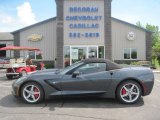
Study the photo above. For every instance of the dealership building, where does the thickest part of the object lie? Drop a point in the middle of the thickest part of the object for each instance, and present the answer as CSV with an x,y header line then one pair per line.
x,y
6,39
85,29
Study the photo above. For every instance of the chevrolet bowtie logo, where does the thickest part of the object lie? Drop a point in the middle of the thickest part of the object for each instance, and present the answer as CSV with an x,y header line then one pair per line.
x,y
35,37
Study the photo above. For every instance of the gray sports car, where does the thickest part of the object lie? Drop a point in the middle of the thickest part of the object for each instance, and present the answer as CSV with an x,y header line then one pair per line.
x,y
90,77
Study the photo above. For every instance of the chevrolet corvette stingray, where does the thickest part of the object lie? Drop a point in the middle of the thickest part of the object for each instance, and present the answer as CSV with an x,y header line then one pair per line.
x,y
89,77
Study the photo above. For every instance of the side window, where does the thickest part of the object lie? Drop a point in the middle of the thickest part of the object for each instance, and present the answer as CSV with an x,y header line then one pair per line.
x,y
92,68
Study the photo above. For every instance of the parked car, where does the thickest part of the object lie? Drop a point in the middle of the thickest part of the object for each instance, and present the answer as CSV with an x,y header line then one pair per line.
x,y
90,77
18,67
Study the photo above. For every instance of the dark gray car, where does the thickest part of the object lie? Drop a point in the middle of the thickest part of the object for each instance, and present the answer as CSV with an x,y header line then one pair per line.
x,y
90,77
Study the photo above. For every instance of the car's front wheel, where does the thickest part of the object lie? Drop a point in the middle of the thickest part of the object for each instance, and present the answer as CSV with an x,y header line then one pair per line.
x,y
129,92
32,93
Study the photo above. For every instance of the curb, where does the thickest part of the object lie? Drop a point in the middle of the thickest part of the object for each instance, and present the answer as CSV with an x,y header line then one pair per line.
x,y
156,71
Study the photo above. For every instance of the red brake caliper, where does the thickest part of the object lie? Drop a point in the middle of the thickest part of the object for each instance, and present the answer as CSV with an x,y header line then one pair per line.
x,y
36,95
123,91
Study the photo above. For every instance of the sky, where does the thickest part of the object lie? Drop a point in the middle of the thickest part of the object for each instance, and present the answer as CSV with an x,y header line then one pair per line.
x,y
16,14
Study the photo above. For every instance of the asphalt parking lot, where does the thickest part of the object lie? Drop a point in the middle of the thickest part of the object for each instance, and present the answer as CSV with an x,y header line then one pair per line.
x,y
148,108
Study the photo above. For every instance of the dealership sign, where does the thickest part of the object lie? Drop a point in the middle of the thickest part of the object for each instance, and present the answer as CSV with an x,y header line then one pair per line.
x,y
79,21
83,20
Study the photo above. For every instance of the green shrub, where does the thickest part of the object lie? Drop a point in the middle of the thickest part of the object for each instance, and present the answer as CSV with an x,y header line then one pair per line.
x,y
49,66
135,63
155,62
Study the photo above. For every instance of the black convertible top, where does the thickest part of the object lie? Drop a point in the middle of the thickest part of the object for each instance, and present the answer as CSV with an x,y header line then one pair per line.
x,y
110,65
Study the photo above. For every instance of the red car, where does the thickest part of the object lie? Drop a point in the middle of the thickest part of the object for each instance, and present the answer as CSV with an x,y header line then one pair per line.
x,y
19,67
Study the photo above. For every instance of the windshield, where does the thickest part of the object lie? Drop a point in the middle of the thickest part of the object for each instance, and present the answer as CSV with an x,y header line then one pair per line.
x,y
67,69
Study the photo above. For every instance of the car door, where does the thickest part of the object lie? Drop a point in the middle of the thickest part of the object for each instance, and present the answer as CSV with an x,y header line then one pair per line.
x,y
93,79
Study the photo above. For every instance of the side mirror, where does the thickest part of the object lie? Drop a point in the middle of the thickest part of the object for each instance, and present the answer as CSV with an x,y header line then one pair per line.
x,y
75,74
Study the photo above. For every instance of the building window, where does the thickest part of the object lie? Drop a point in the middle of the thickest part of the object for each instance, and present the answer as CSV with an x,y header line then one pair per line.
x,y
35,55
101,51
133,54
3,53
92,52
127,53
38,54
74,54
130,53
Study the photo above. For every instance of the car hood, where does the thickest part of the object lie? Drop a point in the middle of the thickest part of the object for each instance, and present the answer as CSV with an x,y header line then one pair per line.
x,y
45,74
46,71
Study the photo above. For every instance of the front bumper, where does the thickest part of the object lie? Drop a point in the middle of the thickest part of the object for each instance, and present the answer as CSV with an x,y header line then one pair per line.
x,y
12,73
15,90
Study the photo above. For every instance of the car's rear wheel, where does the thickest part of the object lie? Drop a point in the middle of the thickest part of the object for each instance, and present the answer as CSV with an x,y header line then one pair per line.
x,y
32,93
129,92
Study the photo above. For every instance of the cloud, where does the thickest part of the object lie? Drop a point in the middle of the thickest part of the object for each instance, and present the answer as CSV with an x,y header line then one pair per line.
x,y
11,22
25,14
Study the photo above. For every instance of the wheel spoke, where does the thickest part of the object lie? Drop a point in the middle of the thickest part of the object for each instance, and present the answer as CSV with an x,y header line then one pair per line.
x,y
130,97
33,98
125,95
32,87
134,93
28,96
26,90
132,87
125,88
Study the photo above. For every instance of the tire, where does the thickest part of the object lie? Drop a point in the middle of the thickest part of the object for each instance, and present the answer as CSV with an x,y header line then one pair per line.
x,y
9,77
32,93
23,73
129,92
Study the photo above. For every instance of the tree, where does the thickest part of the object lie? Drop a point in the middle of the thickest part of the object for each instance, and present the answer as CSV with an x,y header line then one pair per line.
x,y
155,39
156,34
154,29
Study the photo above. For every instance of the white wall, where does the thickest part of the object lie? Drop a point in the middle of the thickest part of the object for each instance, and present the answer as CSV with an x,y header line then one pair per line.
x,y
48,43
120,41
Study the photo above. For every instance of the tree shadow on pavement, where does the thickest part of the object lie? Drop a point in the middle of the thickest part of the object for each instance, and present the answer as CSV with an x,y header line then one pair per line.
x,y
11,101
